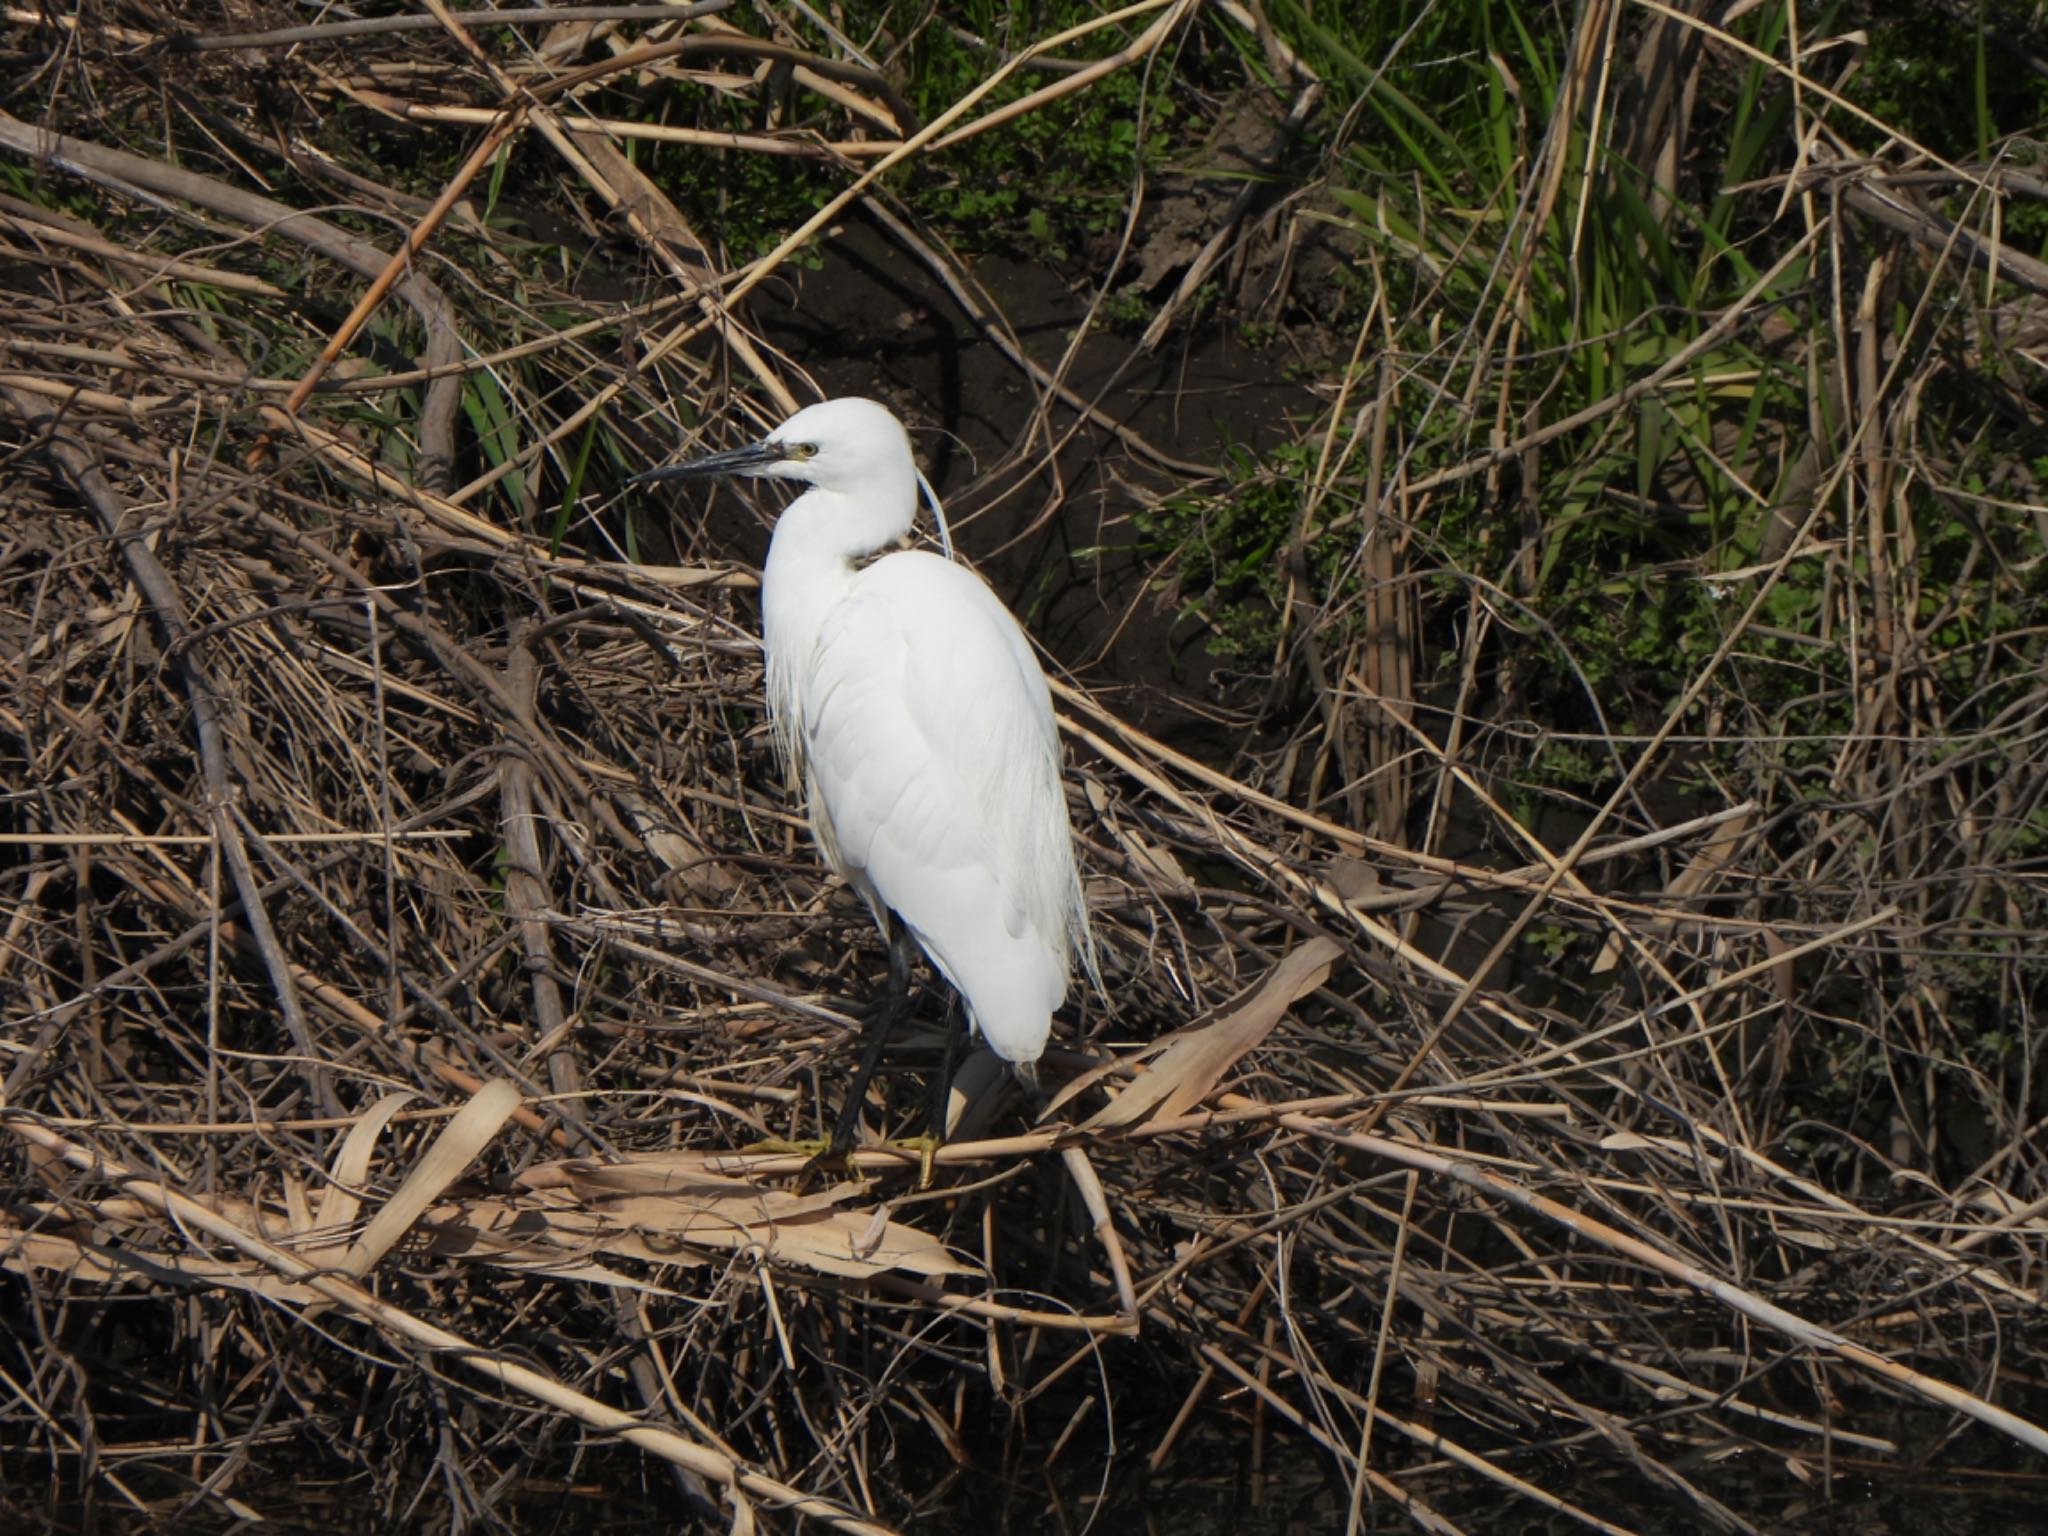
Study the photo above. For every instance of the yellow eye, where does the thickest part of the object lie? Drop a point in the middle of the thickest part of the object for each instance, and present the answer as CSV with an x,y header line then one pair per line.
x,y
803,450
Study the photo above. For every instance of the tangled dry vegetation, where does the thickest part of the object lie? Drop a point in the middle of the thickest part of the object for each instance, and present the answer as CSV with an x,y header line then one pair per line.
x,y
409,947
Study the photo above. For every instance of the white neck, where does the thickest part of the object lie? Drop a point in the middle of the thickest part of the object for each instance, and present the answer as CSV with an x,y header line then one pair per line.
x,y
810,569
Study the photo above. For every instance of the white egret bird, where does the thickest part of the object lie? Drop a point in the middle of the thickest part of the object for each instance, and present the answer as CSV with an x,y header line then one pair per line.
x,y
906,697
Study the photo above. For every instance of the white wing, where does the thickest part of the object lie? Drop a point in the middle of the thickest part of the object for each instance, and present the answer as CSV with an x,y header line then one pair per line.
x,y
933,769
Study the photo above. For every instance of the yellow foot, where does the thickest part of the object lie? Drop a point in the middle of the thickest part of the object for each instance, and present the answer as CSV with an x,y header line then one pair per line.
x,y
826,1161
927,1149
776,1146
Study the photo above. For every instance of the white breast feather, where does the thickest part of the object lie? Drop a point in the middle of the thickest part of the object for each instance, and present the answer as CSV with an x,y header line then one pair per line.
x,y
928,732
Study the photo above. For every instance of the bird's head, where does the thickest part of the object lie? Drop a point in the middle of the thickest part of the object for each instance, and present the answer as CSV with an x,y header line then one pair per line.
x,y
849,446
841,445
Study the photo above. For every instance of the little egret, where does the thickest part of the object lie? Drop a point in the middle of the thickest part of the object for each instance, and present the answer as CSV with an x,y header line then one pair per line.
x,y
906,697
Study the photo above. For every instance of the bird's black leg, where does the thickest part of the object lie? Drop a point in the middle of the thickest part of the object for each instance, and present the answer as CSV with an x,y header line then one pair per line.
x,y
882,1018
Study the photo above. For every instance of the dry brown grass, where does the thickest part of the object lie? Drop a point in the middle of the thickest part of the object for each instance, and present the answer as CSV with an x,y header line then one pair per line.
x,y
408,947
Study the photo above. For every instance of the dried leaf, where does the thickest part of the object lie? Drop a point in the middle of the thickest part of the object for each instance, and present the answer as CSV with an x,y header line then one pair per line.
x,y
974,1095
1194,1061
522,1238
339,1202
669,1208
453,1150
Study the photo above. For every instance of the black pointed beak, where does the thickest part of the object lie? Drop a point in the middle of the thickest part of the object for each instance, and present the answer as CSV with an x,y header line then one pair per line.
x,y
751,460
